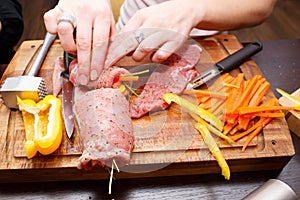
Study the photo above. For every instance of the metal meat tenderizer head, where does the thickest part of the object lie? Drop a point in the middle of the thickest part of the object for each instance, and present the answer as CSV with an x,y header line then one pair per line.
x,y
28,86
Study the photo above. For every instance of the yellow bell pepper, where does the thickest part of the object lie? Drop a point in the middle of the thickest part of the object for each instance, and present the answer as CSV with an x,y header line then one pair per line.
x,y
214,149
206,115
43,125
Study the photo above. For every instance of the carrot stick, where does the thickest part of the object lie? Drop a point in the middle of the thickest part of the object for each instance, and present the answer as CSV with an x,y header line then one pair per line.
x,y
256,132
218,85
267,114
243,134
257,86
258,96
129,78
245,97
256,109
201,93
228,127
234,92
244,122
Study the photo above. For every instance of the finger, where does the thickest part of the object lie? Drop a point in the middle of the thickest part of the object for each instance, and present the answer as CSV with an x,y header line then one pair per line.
x,y
166,50
65,32
101,34
162,42
83,42
148,45
50,19
119,46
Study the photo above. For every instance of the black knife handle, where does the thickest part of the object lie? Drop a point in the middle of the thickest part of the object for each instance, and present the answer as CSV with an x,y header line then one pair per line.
x,y
236,59
67,57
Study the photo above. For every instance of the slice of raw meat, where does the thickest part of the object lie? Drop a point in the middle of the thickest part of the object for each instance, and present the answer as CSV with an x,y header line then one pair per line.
x,y
171,76
105,128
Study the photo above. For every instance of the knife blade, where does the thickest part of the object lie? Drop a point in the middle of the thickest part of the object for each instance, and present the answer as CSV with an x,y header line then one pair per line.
x,y
67,96
226,65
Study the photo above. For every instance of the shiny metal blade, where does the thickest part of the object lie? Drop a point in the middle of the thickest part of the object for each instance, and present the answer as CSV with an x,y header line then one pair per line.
x,y
203,78
67,106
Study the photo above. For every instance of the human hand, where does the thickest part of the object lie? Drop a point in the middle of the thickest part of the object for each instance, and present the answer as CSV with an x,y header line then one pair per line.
x,y
94,24
164,28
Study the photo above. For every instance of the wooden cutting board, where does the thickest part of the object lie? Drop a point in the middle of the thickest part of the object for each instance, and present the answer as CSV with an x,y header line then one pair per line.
x,y
166,144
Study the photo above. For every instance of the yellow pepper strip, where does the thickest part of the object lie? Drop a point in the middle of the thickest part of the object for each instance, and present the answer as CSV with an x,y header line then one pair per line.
x,y
214,149
43,125
206,115
212,129
287,95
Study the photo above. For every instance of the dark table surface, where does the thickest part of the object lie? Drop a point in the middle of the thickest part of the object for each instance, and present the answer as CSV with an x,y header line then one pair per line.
x,y
280,63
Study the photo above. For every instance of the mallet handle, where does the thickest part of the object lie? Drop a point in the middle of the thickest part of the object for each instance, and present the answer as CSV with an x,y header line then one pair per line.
x,y
48,40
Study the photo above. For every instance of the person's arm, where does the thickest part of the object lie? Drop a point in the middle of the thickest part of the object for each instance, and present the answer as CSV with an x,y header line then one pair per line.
x,y
181,16
230,14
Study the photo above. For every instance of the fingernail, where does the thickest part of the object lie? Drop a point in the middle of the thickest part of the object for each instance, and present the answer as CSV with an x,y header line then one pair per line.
x,y
94,75
83,80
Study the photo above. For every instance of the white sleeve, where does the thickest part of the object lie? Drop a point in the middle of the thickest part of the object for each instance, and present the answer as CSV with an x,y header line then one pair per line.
x,y
130,7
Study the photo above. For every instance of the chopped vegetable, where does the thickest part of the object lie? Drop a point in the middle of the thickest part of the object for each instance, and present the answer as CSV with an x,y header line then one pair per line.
x,y
202,93
287,95
257,109
203,117
211,128
256,131
207,116
243,104
43,125
214,149
128,78
111,172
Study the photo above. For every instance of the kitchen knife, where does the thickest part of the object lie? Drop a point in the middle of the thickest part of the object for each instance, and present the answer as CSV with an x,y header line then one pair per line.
x,y
227,64
67,96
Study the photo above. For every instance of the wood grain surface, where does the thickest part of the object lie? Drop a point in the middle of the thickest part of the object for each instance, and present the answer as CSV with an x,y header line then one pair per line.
x,y
161,149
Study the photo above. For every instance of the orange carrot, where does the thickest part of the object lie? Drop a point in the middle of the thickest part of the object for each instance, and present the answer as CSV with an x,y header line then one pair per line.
x,y
234,92
256,132
256,109
129,78
244,122
258,96
201,93
266,114
245,97
228,127
243,134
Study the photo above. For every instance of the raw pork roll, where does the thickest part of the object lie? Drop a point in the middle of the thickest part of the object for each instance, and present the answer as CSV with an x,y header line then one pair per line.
x,y
105,128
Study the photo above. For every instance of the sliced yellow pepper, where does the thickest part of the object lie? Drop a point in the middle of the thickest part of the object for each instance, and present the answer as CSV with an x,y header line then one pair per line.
x,y
203,116
214,149
211,128
206,115
287,95
43,125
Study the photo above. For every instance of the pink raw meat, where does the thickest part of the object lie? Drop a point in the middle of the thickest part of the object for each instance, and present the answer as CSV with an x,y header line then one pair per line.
x,y
172,76
105,128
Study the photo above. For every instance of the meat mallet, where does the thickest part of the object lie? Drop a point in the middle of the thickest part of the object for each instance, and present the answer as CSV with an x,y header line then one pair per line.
x,y
27,86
